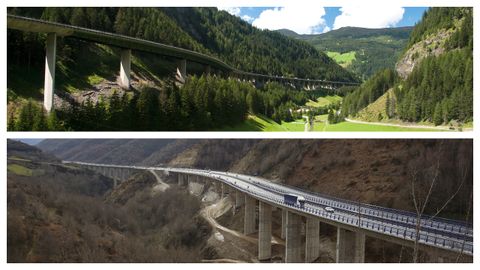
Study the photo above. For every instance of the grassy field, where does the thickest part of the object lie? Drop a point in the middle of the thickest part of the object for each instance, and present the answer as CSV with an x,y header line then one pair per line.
x,y
343,59
323,101
347,126
19,170
262,123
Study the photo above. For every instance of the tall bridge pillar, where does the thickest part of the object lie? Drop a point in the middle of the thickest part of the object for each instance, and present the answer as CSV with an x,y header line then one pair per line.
x,y
181,75
125,63
350,246
49,84
293,245
239,199
312,243
180,179
265,231
284,223
249,219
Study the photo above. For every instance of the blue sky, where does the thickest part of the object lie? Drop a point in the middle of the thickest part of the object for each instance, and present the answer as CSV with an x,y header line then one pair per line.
x,y
314,18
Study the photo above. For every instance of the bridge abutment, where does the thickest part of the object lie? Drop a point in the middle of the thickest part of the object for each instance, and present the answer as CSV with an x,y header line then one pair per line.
x,y
249,219
350,246
265,231
49,83
293,245
125,64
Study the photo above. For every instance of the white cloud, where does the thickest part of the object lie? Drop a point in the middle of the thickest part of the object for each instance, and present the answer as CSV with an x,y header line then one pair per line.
x,y
369,17
235,11
326,29
248,18
303,19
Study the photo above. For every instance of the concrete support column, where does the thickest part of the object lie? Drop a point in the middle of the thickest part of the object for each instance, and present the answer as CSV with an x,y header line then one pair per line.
x,y
180,179
249,219
284,223
293,245
182,71
312,236
350,246
265,231
125,63
239,199
49,83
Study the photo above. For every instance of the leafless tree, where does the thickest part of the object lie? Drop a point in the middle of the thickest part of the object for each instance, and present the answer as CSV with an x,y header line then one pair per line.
x,y
420,203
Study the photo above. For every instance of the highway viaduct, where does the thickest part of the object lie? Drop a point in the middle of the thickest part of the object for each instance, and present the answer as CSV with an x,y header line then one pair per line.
x,y
353,221
127,44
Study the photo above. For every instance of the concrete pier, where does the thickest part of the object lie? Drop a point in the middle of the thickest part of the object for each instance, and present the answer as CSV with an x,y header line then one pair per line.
x,y
284,223
312,239
293,245
182,71
49,83
239,198
181,180
265,231
125,63
350,246
249,219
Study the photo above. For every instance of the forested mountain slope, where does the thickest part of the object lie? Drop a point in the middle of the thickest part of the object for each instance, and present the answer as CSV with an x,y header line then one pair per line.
x,y
363,51
435,81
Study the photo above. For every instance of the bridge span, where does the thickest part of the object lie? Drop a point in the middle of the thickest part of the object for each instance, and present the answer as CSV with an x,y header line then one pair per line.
x,y
353,220
127,44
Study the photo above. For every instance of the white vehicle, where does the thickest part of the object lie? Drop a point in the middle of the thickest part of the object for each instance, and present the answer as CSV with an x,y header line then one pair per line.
x,y
329,209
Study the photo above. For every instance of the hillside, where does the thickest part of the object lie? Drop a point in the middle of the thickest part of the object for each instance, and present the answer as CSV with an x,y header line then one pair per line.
x,y
122,151
61,213
433,80
360,50
338,167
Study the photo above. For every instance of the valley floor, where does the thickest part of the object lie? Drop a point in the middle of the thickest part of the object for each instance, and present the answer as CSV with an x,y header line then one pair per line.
x,y
262,123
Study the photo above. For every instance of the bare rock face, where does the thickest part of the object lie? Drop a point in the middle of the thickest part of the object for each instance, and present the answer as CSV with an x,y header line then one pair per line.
x,y
432,45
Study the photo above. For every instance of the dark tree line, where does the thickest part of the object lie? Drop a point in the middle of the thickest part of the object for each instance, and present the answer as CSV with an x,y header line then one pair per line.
x,y
203,103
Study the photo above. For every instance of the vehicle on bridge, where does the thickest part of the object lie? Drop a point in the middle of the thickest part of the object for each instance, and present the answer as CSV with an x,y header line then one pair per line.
x,y
329,209
293,199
